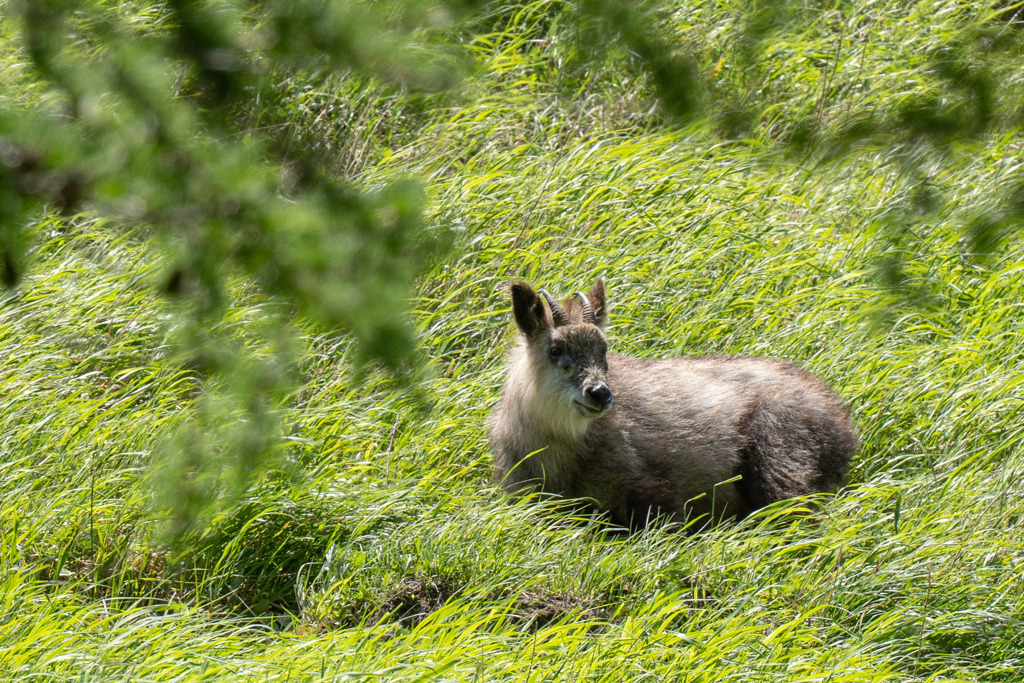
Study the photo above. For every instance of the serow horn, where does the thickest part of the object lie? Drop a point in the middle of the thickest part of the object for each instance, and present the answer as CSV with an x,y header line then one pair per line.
x,y
588,310
556,311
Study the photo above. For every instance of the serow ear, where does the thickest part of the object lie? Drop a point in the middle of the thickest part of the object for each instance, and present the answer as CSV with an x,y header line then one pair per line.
x,y
597,300
528,311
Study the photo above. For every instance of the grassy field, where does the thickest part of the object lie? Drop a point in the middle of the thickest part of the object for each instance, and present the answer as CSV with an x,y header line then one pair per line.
x,y
383,550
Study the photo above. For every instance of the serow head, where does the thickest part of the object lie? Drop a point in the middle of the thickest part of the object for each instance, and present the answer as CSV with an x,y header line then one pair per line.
x,y
566,344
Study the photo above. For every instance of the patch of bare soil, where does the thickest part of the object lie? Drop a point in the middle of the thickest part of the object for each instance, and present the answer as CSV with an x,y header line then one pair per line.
x,y
413,599
537,610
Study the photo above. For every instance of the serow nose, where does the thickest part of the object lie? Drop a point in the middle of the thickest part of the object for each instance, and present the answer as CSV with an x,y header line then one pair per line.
x,y
600,394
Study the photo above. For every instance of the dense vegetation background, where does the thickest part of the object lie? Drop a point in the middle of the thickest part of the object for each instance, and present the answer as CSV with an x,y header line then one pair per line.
x,y
224,224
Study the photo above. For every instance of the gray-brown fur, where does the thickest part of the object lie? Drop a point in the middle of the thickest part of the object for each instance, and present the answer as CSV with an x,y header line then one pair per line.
x,y
657,438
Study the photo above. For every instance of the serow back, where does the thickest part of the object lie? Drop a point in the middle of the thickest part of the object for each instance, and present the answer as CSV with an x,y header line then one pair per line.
x,y
691,440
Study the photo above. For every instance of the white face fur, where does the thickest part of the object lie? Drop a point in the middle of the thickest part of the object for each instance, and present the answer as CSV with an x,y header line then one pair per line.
x,y
570,367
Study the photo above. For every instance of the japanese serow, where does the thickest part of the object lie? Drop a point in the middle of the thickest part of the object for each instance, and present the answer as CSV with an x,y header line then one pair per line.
x,y
690,440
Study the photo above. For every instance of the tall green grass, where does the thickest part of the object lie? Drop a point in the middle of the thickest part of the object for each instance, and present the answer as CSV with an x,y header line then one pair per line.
x,y
381,549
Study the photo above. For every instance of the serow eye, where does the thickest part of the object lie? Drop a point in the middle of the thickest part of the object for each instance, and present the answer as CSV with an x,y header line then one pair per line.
x,y
555,353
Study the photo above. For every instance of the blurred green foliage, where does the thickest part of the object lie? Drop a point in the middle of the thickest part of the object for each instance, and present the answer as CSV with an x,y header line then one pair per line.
x,y
148,120
152,116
